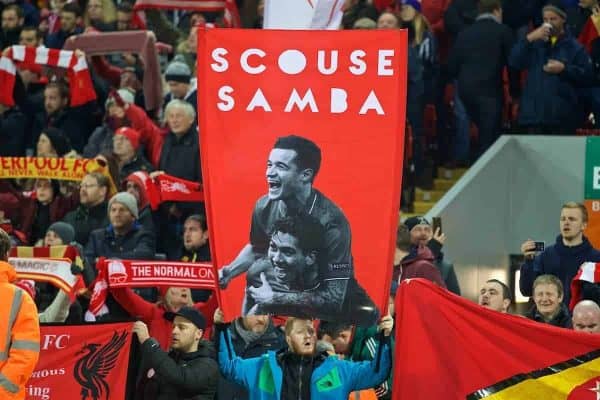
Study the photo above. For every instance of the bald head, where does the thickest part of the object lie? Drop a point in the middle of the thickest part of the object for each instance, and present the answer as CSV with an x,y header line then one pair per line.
x,y
586,317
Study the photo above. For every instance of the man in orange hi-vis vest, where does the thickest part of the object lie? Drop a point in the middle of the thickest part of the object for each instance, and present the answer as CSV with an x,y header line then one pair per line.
x,y
19,330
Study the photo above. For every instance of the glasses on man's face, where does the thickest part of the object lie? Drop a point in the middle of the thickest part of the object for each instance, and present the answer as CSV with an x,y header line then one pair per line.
x,y
87,185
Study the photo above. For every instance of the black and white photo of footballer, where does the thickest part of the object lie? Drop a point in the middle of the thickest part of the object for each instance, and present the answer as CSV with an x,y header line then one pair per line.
x,y
292,167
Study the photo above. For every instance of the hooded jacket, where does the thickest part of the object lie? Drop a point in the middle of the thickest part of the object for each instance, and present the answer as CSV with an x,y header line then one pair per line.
x,y
19,336
419,263
562,319
558,260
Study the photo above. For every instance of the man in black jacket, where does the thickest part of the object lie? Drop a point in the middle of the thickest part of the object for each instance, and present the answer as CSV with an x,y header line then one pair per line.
x,y
479,55
188,371
91,213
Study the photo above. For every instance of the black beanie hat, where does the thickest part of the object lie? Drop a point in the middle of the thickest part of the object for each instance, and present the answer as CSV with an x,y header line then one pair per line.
x,y
59,140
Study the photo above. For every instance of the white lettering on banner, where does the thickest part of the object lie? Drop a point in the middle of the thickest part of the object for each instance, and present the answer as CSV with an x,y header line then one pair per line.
x,y
595,206
56,268
44,373
56,341
38,392
225,95
359,66
182,272
244,61
259,100
384,63
301,103
333,64
596,178
293,61
221,64
338,101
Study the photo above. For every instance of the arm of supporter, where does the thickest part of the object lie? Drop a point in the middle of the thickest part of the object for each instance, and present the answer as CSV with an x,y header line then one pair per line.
x,y
579,71
108,72
530,269
144,248
187,378
90,253
24,341
135,306
435,247
150,133
233,367
520,54
363,374
58,310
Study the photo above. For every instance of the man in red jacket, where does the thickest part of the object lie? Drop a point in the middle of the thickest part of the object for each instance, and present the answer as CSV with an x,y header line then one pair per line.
x,y
414,262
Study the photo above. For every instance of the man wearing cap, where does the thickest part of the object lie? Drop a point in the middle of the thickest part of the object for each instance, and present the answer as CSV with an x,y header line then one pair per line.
x,y
421,234
126,142
179,77
557,65
123,238
413,261
188,371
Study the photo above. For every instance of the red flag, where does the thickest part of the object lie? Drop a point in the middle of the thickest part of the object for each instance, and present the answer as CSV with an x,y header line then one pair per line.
x,y
588,272
448,347
176,189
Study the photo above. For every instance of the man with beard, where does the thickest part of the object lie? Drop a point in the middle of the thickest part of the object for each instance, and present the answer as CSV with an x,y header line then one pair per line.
x,y
289,374
292,167
188,371
564,257
12,23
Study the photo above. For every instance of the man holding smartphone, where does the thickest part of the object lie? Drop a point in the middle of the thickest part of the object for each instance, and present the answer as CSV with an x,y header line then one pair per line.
x,y
564,257
422,233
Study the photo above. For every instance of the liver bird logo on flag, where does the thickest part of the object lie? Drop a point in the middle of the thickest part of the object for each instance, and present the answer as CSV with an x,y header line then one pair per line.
x,y
96,362
448,347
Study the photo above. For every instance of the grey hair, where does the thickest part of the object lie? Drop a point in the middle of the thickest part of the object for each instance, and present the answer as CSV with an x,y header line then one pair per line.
x,y
184,105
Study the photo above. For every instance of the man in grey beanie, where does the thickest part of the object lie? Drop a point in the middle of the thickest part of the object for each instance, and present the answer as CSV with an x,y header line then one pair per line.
x,y
124,238
179,79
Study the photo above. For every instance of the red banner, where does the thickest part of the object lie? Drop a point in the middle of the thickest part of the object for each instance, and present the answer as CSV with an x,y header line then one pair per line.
x,y
448,347
81,362
124,273
321,114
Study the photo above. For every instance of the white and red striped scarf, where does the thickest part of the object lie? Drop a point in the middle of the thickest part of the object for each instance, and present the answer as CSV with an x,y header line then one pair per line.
x,y
588,272
80,82
231,15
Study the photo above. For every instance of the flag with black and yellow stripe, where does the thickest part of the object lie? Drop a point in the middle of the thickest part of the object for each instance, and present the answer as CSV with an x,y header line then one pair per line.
x,y
448,347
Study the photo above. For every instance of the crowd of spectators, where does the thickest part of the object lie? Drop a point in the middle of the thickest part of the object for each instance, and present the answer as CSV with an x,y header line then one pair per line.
x,y
528,65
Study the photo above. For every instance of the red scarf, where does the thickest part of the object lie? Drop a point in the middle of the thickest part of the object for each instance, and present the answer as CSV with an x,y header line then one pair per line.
x,y
127,273
81,87
165,188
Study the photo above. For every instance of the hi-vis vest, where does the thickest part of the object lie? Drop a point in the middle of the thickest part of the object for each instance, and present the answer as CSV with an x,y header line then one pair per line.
x,y
19,336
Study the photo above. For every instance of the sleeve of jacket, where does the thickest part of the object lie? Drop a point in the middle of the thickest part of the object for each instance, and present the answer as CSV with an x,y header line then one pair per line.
x,y
520,54
133,304
530,270
195,378
233,367
58,310
431,272
24,350
363,374
579,71
150,134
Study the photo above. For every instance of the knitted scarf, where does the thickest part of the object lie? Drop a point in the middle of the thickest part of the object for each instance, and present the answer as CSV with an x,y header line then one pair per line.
x,y
81,87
